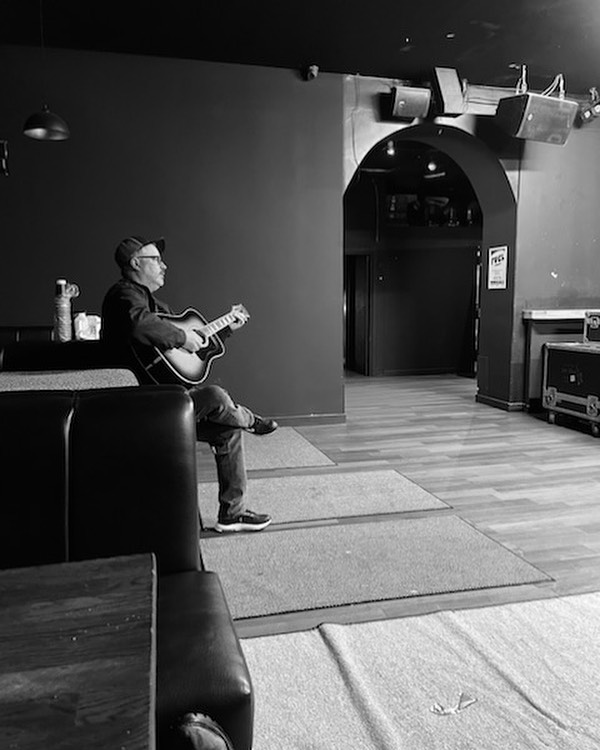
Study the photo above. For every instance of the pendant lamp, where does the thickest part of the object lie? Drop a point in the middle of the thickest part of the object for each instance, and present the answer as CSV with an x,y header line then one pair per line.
x,y
45,125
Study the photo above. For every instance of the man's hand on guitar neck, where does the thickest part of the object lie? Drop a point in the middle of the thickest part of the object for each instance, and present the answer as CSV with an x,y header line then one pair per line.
x,y
198,339
193,342
241,317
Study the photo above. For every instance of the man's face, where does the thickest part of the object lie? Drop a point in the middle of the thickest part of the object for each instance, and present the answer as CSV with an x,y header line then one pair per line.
x,y
149,267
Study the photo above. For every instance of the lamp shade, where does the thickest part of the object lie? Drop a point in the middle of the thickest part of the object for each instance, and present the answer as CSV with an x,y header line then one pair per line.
x,y
46,126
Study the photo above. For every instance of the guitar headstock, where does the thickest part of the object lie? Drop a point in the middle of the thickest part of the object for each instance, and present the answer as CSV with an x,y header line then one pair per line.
x,y
241,316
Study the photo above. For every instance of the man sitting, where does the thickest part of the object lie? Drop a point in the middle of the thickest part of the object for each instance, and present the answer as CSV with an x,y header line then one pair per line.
x,y
132,322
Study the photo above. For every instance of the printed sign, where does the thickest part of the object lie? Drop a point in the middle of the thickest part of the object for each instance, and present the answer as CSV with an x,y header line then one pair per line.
x,y
497,267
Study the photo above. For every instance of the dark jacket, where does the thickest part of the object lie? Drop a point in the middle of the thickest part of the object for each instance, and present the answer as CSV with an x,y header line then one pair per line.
x,y
131,327
129,316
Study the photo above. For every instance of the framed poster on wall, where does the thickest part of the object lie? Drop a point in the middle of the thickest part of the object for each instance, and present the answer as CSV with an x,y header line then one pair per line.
x,y
497,267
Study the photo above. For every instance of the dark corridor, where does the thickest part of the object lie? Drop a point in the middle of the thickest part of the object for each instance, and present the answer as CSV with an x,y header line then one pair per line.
x,y
412,264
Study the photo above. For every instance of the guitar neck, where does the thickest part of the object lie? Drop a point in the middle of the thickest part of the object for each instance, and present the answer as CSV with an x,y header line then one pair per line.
x,y
217,325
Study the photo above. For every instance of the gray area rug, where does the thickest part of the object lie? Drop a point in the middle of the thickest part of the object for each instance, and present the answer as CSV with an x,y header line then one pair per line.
x,y
320,496
531,669
292,570
284,448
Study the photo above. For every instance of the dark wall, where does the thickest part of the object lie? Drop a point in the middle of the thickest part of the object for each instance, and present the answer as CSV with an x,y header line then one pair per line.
x,y
423,307
240,168
558,227
422,298
558,223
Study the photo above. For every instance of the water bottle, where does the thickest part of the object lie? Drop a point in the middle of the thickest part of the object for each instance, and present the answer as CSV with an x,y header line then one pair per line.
x,y
63,322
62,312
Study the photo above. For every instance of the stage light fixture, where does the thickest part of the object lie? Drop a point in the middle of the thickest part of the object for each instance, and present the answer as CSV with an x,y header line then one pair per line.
x,y
591,109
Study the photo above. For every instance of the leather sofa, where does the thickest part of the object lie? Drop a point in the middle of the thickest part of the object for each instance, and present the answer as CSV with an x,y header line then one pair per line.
x,y
31,355
106,472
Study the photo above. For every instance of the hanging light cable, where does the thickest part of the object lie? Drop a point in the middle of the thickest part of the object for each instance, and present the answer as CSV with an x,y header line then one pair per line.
x,y
557,83
45,125
522,85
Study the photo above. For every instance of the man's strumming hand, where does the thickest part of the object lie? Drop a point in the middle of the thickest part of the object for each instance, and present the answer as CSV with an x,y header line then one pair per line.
x,y
193,342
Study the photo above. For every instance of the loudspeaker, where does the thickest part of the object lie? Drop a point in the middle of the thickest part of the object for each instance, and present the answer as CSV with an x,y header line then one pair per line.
x,y
448,92
408,102
535,117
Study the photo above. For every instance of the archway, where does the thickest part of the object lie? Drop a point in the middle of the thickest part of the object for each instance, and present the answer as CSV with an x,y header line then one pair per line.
x,y
495,196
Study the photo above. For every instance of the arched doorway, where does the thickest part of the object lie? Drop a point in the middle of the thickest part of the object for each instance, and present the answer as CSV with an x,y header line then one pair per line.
x,y
493,197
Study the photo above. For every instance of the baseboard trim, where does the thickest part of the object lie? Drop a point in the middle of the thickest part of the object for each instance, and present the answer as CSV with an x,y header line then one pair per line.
x,y
500,404
534,406
422,371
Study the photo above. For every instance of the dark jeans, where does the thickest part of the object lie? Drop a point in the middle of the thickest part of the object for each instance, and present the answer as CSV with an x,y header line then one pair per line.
x,y
219,422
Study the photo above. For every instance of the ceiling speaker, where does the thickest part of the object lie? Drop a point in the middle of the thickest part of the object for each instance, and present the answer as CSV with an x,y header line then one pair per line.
x,y
409,102
449,95
535,117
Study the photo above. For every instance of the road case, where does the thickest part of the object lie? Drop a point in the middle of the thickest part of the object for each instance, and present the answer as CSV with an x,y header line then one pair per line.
x,y
571,382
591,327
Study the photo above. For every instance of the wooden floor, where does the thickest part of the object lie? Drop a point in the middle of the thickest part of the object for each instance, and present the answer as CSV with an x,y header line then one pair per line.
x,y
532,486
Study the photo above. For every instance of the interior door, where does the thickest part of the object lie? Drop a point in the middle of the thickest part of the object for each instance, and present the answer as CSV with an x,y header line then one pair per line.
x,y
357,299
468,356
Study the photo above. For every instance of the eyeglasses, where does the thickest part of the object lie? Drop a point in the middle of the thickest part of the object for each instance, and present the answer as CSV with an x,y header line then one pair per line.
x,y
156,258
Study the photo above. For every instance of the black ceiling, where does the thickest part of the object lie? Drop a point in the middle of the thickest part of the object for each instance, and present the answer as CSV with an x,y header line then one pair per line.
x,y
485,40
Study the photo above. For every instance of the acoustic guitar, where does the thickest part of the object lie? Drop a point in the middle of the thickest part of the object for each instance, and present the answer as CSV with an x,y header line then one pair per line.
x,y
178,366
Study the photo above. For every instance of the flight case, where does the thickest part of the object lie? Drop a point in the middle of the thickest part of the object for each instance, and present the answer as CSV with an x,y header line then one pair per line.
x,y
591,327
571,382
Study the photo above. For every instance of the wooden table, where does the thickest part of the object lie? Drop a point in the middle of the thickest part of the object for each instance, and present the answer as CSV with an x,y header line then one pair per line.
x,y
77,655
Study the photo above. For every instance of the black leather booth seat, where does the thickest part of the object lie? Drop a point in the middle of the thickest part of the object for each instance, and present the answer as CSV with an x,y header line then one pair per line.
x,y
105,472
54,355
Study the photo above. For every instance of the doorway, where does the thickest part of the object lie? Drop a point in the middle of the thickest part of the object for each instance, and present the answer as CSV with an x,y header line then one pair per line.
x,y
412,264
